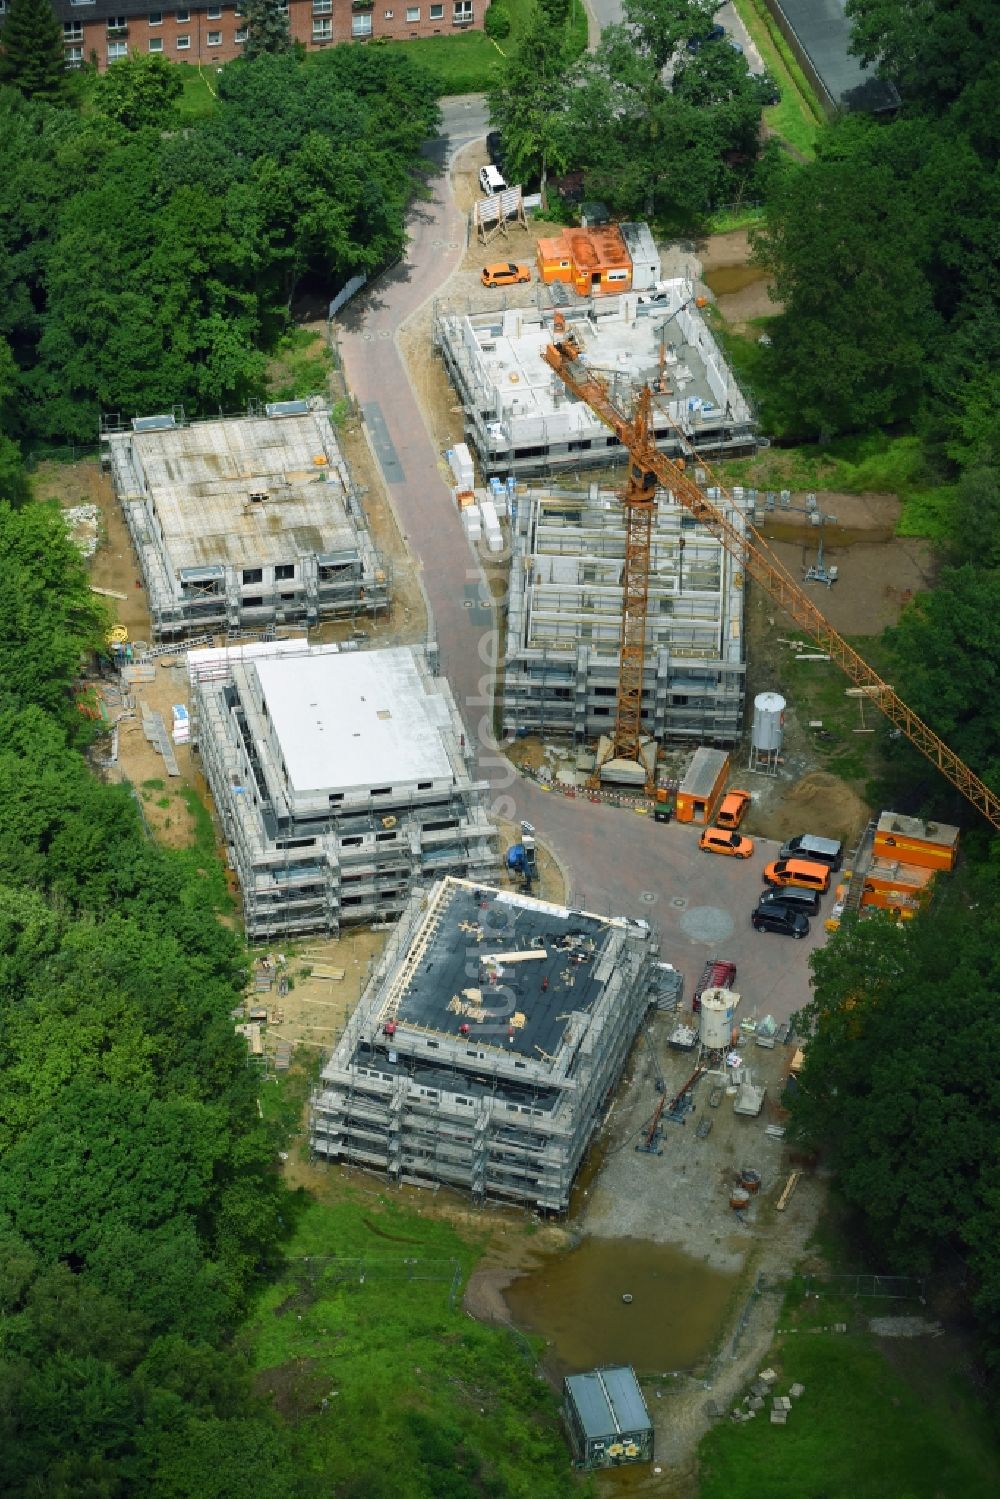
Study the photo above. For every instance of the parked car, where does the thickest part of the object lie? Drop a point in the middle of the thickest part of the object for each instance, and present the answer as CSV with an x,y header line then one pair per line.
x,y
816,850
733,809
806,901
505,273
797,872
719,841
780,919
495,151
491,181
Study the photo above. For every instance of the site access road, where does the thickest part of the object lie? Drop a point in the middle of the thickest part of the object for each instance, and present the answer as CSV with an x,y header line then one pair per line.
x,y
615,860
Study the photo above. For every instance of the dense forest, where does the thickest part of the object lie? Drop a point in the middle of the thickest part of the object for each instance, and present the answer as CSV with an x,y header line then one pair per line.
x,y
148,261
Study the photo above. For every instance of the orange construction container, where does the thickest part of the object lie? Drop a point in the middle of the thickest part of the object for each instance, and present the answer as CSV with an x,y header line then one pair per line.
x,y
700,792
591,260
889,877
931,845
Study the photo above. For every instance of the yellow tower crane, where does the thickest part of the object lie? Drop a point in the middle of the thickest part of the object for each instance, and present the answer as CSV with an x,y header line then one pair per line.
x,y
650,469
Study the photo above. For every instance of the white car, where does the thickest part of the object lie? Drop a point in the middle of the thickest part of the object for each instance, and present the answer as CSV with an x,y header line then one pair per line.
x,y
491,181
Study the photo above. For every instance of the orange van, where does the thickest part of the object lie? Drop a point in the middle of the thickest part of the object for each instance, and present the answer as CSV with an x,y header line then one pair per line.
x,y
799,873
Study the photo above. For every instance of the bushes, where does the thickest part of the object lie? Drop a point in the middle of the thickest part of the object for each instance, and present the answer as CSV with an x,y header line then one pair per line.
x,y
497,22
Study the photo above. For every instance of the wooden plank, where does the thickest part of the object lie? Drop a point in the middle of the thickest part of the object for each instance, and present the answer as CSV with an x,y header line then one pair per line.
x,y
532,955
790,1184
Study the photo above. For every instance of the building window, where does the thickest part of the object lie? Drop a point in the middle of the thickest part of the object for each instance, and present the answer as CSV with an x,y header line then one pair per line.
x,y
155,18
156,44
322,7
81,2
322,30
117,50
462,13
74,57
241,37
215,38
117,25
361,25
284,570
72,30
253,575
436,12
214,13
183,43
413,12
182,15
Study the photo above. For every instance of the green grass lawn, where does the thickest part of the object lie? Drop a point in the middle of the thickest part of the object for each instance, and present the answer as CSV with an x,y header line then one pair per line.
x,y
390,1388
467,62
861,1430
797,116
878,462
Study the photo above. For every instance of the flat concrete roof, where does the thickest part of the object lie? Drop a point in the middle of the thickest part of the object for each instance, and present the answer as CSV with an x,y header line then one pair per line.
x,y
347,720
942,834
624,337
200,479
513,970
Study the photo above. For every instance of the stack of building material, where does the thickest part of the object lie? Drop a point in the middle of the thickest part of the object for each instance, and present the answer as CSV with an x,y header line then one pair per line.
x,y
182,724
460,461
491,525
498,494
472,522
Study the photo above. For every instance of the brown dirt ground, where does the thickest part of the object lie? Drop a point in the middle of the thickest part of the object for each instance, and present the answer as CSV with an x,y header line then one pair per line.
x,y
314,1011
552,881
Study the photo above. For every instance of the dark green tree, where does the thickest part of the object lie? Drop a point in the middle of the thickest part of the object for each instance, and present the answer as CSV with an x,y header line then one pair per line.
x,y
662,27
267,29
528,104
908,1124
139,90
946,655
934,50
32,56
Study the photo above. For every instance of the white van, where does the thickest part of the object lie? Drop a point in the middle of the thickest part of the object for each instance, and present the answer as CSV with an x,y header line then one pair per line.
x,y
491,181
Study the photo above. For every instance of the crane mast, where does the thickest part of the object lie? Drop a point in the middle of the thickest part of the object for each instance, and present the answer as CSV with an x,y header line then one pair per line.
x,y
650,468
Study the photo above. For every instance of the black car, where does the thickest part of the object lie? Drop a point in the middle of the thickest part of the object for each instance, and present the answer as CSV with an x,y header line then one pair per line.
x,y
806,901
780,919
714,34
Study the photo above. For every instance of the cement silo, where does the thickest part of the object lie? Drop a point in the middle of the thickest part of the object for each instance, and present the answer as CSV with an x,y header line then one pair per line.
x,y
768,730
718,1007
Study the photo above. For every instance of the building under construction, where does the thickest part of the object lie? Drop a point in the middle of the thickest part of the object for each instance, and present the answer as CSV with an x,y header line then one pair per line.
x,y
485,1045
519,416
342,780
562,656
244,523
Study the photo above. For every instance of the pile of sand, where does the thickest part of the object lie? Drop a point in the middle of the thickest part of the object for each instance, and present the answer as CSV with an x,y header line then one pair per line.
x,y
819,803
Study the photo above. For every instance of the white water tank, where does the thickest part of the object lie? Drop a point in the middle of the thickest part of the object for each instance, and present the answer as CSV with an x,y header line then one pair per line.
x,y
718,1006
768,722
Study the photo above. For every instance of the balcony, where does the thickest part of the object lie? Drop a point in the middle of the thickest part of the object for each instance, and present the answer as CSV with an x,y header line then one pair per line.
x,y
362,4
117,30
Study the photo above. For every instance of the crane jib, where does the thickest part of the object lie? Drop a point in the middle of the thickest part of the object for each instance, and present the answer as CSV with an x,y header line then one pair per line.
x,y
649,468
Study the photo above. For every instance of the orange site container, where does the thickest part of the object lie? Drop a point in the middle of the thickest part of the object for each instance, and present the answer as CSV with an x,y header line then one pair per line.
x,y
591,260
700,792
930,845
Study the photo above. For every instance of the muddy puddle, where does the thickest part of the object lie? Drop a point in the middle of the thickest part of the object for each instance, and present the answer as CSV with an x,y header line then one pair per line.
x,y
575,1302
724,280
834,535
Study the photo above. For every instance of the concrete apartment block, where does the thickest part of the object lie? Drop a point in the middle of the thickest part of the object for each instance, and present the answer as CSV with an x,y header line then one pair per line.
x,y
521,420
246,522
341,778
482,1051
561,661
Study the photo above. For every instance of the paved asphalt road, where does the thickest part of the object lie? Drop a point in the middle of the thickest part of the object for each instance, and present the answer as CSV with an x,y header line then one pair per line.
x,y
616,861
